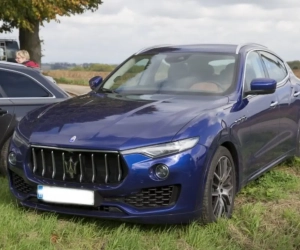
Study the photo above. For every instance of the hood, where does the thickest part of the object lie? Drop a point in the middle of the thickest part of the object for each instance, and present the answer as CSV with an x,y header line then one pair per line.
x,y
114,122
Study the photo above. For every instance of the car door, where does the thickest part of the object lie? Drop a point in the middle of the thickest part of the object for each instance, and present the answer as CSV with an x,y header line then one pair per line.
x,y
262,118
24,92
288,97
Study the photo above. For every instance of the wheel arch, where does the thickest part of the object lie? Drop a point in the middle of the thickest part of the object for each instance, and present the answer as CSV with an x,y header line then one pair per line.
x,y
234,153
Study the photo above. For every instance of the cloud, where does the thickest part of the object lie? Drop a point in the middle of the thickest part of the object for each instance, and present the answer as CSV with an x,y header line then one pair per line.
x,y
118,28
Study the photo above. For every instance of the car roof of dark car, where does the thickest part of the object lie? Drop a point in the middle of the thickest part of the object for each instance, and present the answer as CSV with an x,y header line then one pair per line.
x,y
222,48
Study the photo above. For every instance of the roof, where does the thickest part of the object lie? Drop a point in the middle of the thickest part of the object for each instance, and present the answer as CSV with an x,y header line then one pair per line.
x,y
5,63
222,48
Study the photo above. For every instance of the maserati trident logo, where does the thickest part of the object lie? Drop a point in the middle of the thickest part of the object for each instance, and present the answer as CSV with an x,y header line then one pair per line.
x,y
73,138
71,167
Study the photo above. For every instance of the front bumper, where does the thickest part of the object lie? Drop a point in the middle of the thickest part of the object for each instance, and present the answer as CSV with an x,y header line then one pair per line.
x,y
138,198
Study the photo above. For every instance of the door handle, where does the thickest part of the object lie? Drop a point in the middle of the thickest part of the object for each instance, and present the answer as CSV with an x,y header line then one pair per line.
x,y
3,112
273,104
296,93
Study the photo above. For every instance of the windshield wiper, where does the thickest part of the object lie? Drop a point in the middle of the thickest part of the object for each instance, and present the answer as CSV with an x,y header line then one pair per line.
x,y
108,90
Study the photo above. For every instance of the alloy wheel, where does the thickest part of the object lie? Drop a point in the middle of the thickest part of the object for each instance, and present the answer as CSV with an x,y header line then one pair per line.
x,y
222,188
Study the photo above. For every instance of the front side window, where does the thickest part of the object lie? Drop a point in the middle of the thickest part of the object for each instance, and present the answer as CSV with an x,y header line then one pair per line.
x,y
206,73
254,69
17,85
275,66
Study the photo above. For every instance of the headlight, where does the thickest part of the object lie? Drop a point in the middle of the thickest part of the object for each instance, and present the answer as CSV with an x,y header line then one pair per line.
x,y
164,149
18,139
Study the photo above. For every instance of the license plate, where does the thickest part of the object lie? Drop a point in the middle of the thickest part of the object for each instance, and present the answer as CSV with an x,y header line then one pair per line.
x,y
65,195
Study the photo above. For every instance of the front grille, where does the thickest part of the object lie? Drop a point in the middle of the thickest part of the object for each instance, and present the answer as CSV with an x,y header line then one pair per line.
x,y
79,166
151,197
20,185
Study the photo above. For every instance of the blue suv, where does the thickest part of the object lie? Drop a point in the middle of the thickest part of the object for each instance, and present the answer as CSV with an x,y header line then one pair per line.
x,y
170,136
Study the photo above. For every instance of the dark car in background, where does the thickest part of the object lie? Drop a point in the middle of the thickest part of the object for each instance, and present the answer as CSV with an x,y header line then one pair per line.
x,y
170,136
22,89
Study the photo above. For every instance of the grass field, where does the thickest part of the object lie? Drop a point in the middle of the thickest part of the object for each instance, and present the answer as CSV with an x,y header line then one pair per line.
x,y
297,72
266,216
74,77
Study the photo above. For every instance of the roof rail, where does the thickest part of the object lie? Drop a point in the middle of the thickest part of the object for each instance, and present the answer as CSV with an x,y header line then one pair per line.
x,y
152,47
238,48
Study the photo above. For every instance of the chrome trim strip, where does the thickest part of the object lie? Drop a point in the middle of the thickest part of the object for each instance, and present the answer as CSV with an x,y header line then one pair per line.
x,y
81,171
53,96
43,162
53,164
238,48
34,160
93,168
106,168
64,166
73,149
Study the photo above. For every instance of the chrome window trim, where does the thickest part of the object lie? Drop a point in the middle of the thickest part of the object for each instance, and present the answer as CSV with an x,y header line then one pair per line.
x,y
74,149
240,46
15,71
278,85
151,47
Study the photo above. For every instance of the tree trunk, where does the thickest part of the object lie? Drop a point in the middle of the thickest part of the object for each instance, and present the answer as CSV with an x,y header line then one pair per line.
x,y
31,42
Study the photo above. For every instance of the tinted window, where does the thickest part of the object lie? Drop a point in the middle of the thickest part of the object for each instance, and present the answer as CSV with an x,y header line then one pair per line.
x,y
275,66
254,69
19,85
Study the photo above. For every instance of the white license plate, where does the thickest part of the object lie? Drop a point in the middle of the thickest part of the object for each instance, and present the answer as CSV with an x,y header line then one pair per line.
x,y
65,195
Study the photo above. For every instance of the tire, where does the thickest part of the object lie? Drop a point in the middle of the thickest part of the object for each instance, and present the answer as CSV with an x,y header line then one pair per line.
x,y
220,187
3,158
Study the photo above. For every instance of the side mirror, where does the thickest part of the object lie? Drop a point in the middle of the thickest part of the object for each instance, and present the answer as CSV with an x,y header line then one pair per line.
x,y
262,86
95,81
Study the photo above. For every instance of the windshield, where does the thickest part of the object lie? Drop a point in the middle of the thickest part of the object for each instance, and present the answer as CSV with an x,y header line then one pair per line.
x,y
205,73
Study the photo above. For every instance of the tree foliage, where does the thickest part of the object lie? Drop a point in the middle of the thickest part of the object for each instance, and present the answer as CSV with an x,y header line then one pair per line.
x,y
28,15
25,13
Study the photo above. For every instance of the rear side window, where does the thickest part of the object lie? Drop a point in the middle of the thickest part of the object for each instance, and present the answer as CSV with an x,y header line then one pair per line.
x,y
275,66
17,85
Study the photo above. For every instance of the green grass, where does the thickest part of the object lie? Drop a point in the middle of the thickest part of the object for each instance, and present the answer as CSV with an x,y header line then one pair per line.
x,y
71,81
266,216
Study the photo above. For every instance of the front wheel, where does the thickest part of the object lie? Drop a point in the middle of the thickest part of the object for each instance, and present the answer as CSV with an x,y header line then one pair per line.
x,y
220,187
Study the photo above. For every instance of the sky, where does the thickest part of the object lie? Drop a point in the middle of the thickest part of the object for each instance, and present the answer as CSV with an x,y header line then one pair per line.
x,y
120,28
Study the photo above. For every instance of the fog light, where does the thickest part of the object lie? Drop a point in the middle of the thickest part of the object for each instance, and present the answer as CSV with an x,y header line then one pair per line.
x,y
12,158
162,171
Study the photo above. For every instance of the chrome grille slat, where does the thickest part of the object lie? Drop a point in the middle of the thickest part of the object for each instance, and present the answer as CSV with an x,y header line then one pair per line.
x,y
81,171
34,160
119,168
93,167
53,165
106,168
64,166
43,162
78,166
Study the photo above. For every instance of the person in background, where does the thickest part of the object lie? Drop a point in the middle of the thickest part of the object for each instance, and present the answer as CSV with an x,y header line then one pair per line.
x,y
22,56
